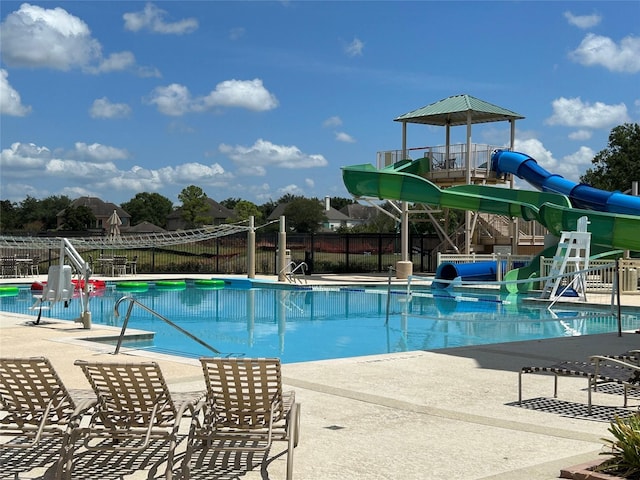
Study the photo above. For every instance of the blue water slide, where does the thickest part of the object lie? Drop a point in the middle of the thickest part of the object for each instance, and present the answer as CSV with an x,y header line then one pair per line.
x,y
478,271
581,195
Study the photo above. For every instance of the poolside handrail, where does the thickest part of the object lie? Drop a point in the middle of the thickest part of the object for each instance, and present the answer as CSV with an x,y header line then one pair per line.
x,y
291,276
132,302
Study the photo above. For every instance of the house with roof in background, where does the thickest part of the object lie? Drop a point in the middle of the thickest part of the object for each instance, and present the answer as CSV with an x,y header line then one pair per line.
x,y
359,214
101,210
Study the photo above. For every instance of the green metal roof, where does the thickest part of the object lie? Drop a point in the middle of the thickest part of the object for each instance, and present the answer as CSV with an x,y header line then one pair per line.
x,y
453,111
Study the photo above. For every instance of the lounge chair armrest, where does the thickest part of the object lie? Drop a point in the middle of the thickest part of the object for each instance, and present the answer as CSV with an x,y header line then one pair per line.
x,y
598,359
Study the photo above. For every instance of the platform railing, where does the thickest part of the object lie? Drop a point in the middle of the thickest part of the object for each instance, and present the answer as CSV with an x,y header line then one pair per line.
x,y
480,156
132,301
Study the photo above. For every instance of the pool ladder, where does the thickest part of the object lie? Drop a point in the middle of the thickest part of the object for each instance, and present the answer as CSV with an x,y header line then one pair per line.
x,y
132,301
297,272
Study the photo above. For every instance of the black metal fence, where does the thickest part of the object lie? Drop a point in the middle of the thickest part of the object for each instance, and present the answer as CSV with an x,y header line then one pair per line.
x,y
323,253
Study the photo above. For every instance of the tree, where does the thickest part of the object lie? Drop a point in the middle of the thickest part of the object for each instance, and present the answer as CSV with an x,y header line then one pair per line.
x,y
230,203
149,207
305,215
618,165
244,209
49,209
9,216
77,218
339,202
194,206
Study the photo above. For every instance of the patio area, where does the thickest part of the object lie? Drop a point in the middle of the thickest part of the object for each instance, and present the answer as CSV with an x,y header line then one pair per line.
x,y
441,414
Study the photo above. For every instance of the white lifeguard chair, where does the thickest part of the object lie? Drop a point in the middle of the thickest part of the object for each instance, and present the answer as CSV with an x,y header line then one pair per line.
x,y
573,251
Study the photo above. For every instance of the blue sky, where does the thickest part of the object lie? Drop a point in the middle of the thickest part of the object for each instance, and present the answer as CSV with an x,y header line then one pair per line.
x,y
254,100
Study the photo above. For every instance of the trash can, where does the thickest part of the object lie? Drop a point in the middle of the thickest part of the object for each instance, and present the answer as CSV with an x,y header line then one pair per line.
x,y
287,261
308,259
630,283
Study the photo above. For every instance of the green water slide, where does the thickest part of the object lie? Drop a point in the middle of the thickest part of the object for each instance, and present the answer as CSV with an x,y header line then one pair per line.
x,y
402,181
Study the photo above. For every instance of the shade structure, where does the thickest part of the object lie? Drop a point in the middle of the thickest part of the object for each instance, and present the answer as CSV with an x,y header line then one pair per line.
x,y
114,225
457,110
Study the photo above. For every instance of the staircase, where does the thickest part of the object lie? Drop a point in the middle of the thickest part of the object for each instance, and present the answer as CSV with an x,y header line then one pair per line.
x,y
493,226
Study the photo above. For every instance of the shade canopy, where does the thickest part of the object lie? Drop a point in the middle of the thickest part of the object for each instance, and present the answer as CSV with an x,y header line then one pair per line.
x,y
114,225
452,111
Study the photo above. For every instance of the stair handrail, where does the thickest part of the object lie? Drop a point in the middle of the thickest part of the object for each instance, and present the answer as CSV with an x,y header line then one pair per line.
x,y
291,275
132,302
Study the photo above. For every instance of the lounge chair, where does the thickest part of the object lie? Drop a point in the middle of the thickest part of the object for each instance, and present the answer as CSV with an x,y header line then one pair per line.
x,y
621,369
35,404
134,407
245,409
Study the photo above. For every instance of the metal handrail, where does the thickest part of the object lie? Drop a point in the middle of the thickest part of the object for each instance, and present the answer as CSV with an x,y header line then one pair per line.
x,y
290,276
302,266
133,301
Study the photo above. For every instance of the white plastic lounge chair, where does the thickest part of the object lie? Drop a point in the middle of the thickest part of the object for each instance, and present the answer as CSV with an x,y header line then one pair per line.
x,y
245,409
134,407
35,404
621,369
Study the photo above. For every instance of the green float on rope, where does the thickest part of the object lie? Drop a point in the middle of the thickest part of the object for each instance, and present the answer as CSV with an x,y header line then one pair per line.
x,y
171,284
209,283
132,286
8,291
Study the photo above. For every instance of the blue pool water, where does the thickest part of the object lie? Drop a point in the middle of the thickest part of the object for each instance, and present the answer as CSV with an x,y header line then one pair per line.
x,y
300,325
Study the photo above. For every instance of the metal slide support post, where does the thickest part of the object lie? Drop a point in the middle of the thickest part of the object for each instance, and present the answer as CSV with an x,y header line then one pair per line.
x,y
282,247
251,249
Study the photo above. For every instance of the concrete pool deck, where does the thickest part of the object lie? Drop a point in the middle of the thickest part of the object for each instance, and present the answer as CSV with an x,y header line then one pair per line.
x,y
442,414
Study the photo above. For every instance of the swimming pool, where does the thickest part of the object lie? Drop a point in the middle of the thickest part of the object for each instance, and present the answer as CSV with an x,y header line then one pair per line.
x,y
316,323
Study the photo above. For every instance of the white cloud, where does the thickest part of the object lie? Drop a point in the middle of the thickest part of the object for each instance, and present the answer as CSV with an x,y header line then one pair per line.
x,y
291,189
29,34
93,171
189,171
309,182
10,101
536,150
114,63
344,137
580,135
24,157
236,33
583,21
598,50
177,100
174,99
570,167
103,108
355,48
573,112
264,153
575,164
98,153
334,121
152,19
249,94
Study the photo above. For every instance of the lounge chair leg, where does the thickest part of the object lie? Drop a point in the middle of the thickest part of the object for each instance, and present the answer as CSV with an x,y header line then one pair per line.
x,y
555,386
520,388
292,440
